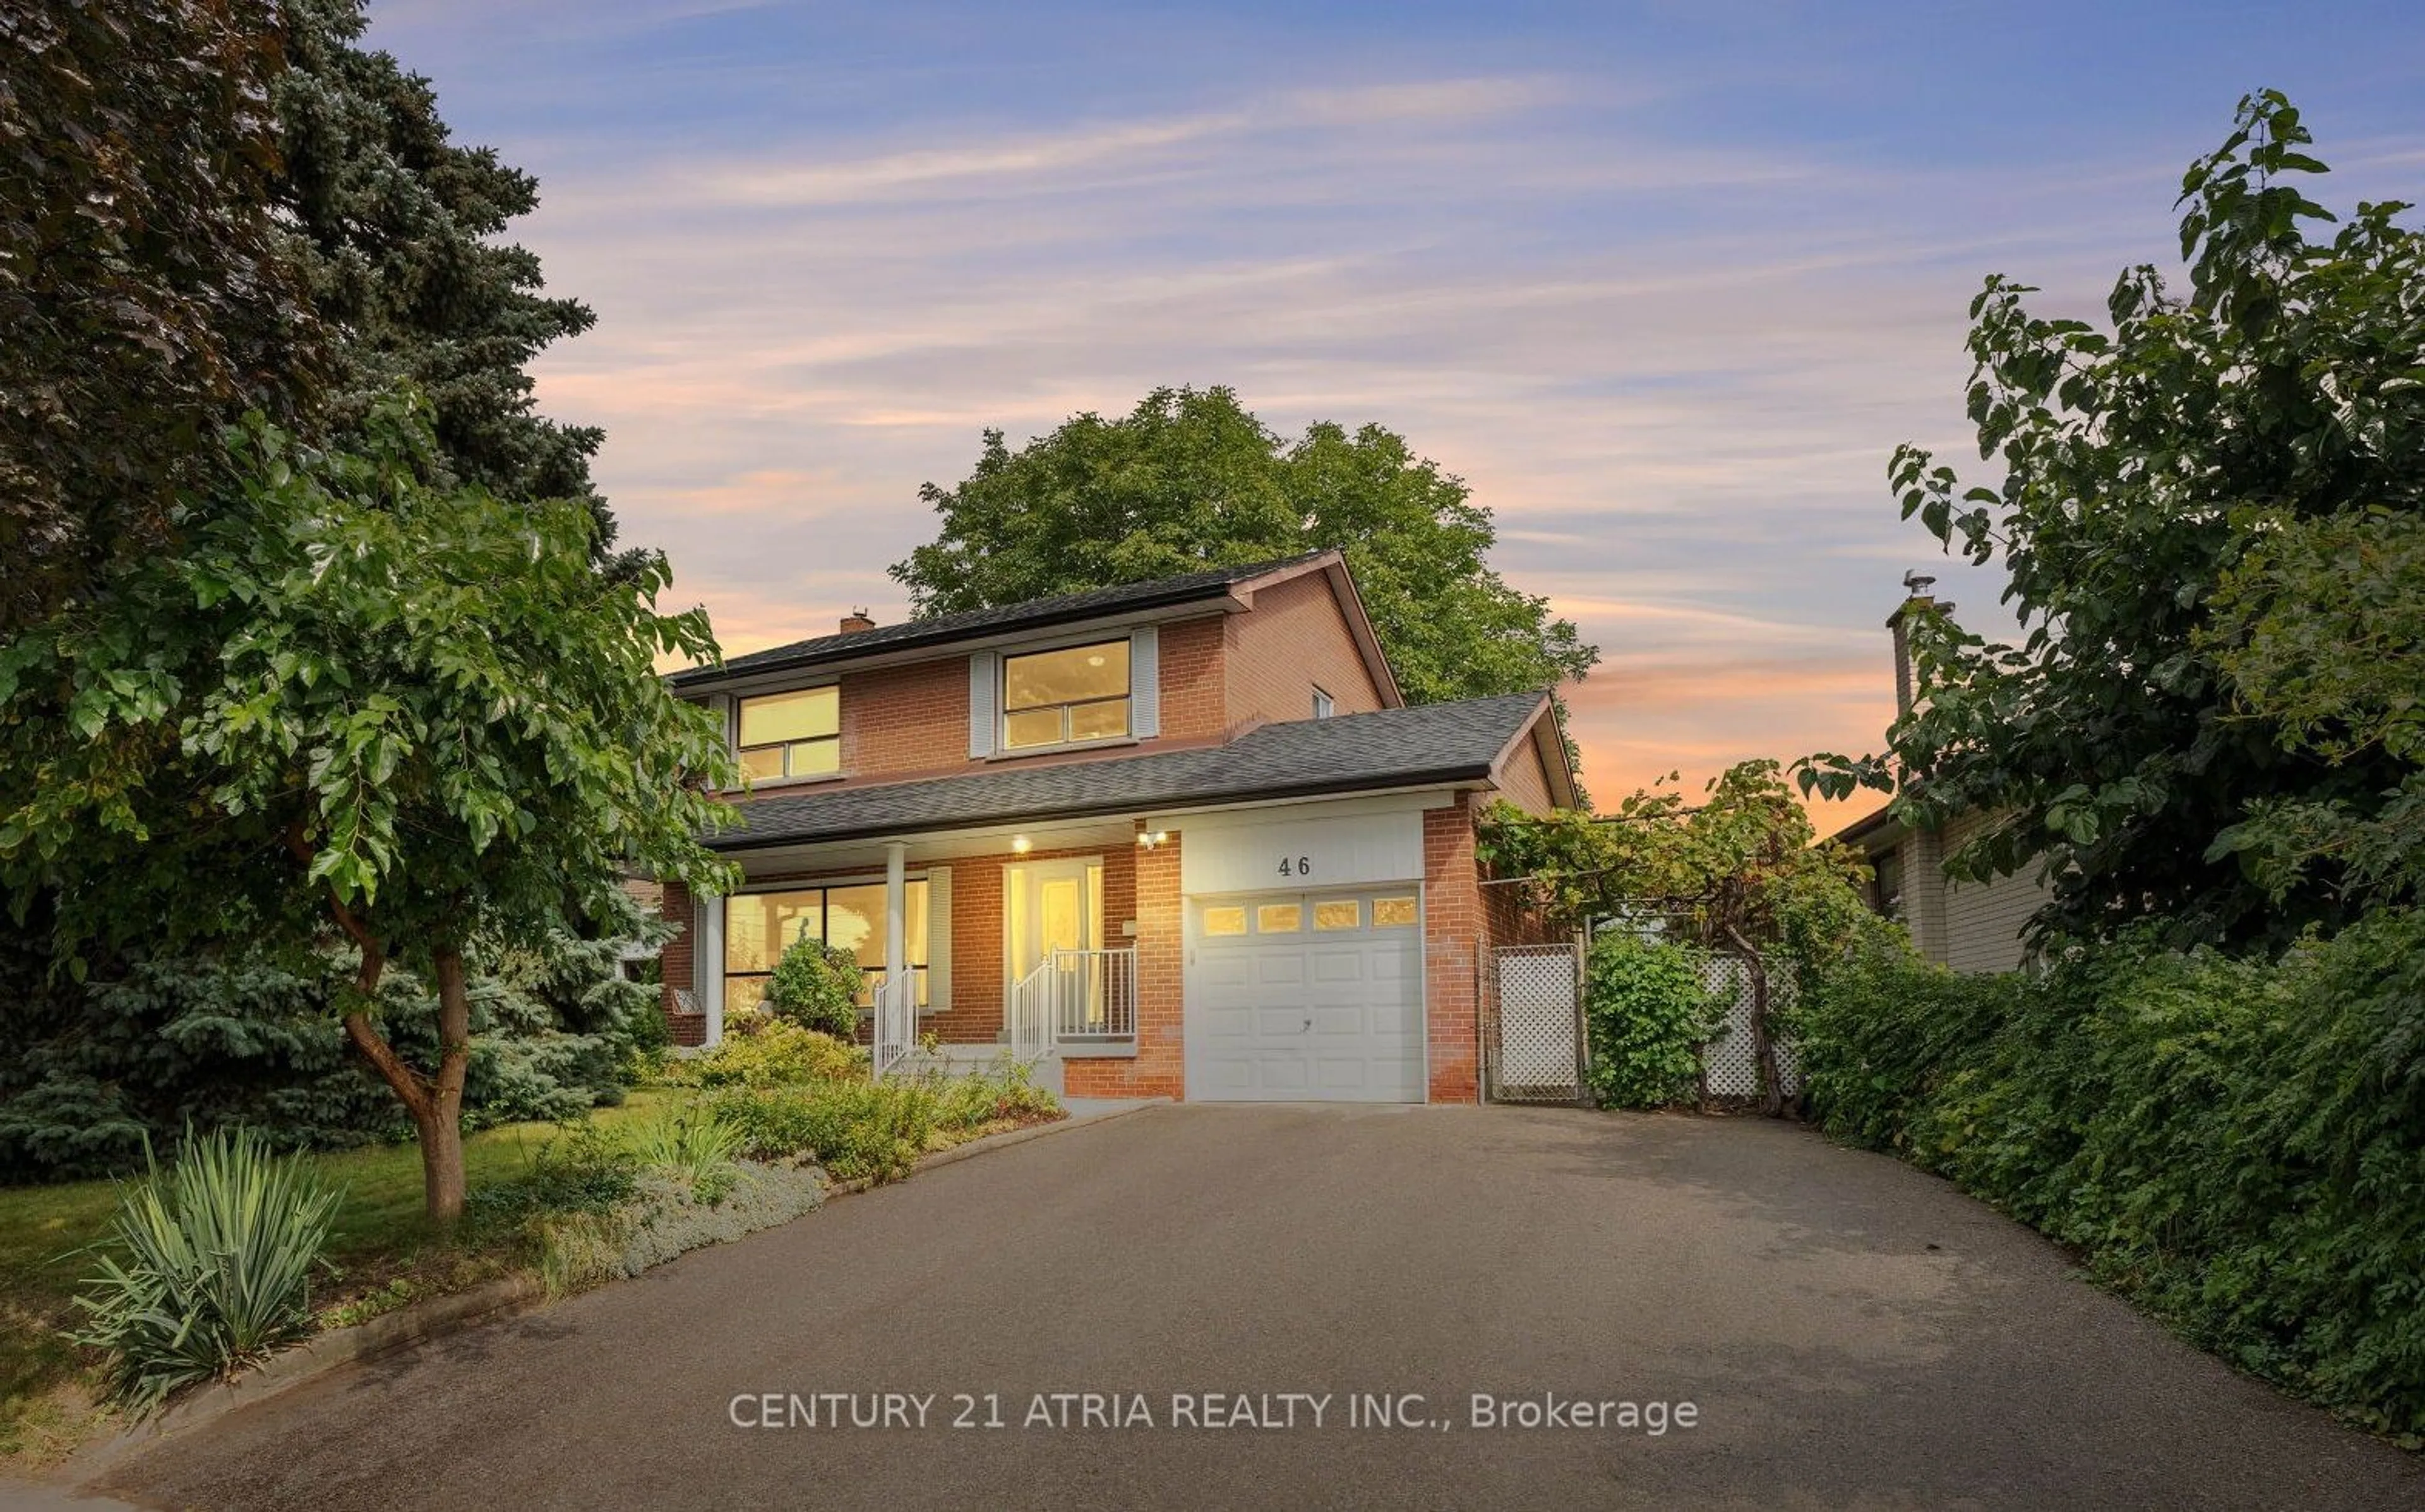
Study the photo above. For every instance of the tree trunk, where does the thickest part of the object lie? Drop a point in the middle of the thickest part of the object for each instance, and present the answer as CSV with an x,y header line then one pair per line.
x,y
441,1123
1763,1043
440,1136
434,1104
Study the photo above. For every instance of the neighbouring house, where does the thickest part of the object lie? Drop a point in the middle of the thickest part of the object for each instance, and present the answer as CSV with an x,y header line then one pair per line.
x,y
1971,927
1180,838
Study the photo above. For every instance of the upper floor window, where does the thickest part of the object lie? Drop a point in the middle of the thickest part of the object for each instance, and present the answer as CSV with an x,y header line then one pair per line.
x,y
1323,705
791,735
1078,693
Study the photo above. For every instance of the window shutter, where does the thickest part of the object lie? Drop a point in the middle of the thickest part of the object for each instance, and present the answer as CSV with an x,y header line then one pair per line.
x,y
938,939
722,706
707,959
982,683
1144,681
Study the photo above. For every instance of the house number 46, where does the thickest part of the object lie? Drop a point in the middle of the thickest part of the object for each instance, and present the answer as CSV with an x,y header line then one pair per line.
x,y
1300,867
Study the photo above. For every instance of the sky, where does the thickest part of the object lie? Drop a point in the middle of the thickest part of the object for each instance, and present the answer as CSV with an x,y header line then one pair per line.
x,y
1666,283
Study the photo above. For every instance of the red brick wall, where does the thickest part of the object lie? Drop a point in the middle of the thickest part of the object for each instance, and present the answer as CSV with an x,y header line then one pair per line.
x,y
1525,782
1296,638
1159,1069
1509,918
674,967
1453,937
1195,703
899,720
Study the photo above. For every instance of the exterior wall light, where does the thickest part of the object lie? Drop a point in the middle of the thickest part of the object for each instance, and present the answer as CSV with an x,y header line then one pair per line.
x,y
1020,845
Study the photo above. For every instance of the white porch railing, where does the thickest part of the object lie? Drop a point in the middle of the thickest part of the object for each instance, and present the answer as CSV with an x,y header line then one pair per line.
x,y
895,1030
1074,999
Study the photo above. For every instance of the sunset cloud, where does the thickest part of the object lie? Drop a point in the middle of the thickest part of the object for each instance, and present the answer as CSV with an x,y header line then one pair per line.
x,y
1666,291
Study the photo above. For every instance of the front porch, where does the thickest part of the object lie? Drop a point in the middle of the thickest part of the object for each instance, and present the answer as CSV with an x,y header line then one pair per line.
x,y
1037,943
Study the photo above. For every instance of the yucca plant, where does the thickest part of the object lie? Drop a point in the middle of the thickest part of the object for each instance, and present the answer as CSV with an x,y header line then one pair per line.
x,y
210,1266
693,1147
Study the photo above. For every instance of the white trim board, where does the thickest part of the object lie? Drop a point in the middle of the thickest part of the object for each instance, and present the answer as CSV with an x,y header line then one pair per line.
x,y
1294,810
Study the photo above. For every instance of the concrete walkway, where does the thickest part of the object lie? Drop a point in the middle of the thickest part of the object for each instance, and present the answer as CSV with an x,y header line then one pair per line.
x,y
1850,1333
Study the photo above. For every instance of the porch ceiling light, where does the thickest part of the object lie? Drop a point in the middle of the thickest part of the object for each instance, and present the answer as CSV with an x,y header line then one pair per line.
x,y
1020,845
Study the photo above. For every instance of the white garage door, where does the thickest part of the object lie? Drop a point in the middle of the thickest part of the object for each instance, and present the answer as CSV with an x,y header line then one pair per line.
x,y
1307,997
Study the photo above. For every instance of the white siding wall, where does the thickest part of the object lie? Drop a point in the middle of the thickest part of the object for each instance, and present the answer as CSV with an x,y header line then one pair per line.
x,y
1983,920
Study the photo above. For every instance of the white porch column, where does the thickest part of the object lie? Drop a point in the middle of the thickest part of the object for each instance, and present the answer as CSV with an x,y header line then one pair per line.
x,y
896,914
707,961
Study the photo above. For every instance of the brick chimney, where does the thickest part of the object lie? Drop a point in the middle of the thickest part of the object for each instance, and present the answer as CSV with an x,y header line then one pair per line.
x,y
1922,852
855,621
1917,600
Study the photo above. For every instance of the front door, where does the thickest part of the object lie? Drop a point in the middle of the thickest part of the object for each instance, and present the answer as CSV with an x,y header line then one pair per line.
x,y
1049,906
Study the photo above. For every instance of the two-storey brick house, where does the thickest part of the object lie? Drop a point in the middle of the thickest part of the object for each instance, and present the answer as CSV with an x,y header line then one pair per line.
x,y
1179,839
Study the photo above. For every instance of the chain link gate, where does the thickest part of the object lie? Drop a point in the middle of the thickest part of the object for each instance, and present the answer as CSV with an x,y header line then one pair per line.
x,y
1533,1022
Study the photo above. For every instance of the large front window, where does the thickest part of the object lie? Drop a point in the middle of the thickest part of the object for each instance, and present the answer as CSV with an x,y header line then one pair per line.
x,y
791,735
759,927
1079,692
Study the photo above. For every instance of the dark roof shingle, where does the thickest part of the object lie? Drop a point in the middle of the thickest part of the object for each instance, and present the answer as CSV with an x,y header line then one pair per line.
x,y
1434,742
943,628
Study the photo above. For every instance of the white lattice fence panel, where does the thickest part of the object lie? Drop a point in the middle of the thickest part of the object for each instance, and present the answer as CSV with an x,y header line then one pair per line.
x,y
1536,1056
1730,1065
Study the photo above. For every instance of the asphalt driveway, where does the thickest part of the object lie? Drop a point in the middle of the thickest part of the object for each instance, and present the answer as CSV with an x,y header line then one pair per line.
x,y
1847,1331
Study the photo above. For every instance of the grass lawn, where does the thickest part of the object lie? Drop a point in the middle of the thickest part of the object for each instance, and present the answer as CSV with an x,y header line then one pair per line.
x,y
383,1255
379,1241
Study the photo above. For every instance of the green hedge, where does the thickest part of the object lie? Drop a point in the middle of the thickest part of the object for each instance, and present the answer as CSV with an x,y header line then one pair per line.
x,y
1646,1014
2237,1145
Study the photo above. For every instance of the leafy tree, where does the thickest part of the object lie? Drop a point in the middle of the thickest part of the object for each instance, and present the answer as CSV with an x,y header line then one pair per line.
x,y
2142,466
143,288
207,209
393,229
2321,629
1742,873
412,717
1189,479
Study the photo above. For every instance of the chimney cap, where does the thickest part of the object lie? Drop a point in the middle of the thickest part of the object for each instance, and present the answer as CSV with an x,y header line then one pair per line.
x,y
1917,584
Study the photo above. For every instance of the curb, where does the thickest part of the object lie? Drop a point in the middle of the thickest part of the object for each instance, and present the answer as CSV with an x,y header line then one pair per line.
x,y
438,1319
988,1144
1033,1131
